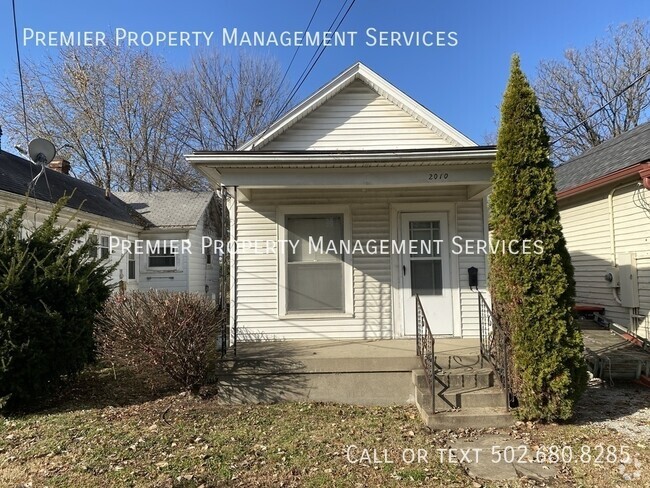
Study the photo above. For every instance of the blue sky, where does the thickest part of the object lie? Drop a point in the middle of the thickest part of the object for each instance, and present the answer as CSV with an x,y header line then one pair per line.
x,y
461,84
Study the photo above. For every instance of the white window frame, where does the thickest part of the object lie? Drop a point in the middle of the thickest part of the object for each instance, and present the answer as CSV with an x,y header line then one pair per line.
x,y
348,282
131,257
175,267
98,245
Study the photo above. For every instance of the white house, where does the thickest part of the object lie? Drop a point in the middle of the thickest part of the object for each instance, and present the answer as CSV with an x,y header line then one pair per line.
x,y
114,220
604,198
176,216
359,162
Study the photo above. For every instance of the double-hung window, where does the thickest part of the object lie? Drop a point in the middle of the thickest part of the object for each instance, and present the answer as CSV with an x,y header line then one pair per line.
x,y
316,276
101,247
162,257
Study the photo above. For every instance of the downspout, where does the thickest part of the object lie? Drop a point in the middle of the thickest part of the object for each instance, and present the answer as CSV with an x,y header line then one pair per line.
x,y
233,270
612,238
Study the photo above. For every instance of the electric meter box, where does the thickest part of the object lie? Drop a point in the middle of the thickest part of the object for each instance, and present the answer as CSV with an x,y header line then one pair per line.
x,y
629,284
612,277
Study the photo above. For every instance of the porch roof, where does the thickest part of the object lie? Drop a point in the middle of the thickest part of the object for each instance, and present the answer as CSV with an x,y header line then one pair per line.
x,y
406,167
347,158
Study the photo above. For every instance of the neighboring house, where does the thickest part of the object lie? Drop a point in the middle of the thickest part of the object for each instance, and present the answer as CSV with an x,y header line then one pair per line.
x,y
107,215
178,216
604,197
356,161
142,217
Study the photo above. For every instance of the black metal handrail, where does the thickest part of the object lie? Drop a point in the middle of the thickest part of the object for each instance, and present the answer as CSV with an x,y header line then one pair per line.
x,y
495,346
425,348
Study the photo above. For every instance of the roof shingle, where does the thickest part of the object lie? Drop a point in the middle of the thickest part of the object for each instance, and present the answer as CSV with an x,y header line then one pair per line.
x,y
167,208
16,173
615,154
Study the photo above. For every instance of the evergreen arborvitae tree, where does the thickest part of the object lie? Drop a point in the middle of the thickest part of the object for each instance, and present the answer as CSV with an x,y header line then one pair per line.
x,y
51,287
533,294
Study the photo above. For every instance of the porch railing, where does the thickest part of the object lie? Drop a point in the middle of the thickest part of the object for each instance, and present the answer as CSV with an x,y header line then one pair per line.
x,y
496,346
425,348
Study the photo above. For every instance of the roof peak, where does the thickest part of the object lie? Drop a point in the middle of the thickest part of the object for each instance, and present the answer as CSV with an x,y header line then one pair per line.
x,y
378,84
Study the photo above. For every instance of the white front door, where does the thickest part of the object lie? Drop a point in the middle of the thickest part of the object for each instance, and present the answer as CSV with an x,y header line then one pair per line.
x,y
425,271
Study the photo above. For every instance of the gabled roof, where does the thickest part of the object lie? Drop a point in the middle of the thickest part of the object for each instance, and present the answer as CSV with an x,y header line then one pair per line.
x,y
169,209
614,155
358,72
16,173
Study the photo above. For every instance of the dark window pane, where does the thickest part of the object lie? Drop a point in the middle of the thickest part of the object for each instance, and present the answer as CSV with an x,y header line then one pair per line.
x,y
316,287
426,277
162,261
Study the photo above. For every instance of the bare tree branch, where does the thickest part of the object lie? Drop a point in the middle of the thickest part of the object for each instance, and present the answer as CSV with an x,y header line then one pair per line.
x,y
572,89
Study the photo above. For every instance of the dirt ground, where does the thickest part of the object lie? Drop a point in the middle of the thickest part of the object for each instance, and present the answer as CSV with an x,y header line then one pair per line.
x,y
623,407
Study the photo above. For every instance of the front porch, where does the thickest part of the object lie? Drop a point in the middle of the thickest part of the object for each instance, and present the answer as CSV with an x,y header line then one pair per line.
x,y
362,372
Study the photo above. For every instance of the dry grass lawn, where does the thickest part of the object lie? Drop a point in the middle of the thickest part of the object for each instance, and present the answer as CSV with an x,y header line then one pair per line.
x,y
116,432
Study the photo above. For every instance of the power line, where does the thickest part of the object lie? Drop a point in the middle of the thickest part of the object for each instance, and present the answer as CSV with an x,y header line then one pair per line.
x,y
310,65
298,47
602,107
322,50
20,71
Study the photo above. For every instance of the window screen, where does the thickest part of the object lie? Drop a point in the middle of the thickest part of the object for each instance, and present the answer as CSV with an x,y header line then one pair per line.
x,y
163,258
314,277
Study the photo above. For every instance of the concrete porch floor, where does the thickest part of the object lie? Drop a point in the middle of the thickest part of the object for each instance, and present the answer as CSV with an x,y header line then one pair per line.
x,y
360,349
366,372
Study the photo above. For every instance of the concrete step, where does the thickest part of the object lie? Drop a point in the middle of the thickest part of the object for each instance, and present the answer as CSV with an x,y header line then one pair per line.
x,y
303,365
471,416
362,388
481,397
453,361
460,397
465,378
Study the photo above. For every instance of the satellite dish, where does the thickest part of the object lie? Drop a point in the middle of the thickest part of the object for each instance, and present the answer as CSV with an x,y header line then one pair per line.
x,y
41,151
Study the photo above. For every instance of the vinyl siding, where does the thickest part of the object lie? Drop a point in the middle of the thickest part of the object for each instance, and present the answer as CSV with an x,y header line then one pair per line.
x,y
171,280
38,211
469,222
586,226
358,118
257,274
200,273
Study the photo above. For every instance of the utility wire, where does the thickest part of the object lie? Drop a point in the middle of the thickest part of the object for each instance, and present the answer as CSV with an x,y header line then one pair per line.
x,y
32,184
310,65
20,71
602,107
286,72
315,57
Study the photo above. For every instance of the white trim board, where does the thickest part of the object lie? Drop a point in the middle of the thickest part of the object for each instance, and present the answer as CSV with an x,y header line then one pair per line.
x,y
348,271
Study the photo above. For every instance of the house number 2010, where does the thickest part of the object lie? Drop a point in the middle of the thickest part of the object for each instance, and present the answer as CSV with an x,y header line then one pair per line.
x,y
438,176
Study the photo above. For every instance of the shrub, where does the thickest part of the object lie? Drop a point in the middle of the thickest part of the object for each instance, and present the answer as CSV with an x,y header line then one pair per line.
x,y
50,291
172,332
533,294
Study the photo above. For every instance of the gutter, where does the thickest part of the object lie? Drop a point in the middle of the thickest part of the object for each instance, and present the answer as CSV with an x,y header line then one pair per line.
x,y
251,158
640,169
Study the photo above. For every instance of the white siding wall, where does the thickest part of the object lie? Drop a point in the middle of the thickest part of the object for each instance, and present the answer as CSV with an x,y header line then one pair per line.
x,y
199,272
470,225
38,211
358,118
257,274
172,280
586,225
